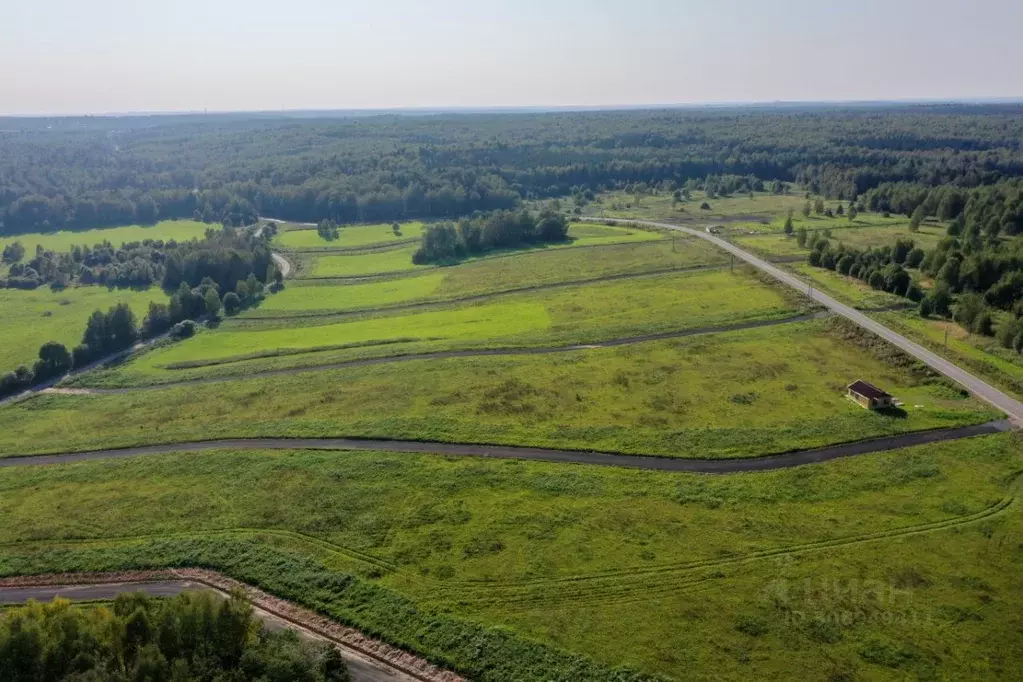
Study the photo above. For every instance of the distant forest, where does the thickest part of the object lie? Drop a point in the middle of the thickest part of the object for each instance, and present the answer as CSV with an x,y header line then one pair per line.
x,y
79,173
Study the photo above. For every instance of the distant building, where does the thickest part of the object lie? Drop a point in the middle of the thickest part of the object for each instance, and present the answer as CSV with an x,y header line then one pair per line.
x,y
869,396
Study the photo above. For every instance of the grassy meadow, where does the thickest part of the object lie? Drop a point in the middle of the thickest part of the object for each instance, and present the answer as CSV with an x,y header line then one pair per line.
x,y
900,564
399,259
181,230
597,312
351,236
43,315
491,275
732,394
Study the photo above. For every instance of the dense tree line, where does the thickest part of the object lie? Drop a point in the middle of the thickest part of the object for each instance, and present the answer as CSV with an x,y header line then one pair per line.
x,y
192,637
81,173
448,242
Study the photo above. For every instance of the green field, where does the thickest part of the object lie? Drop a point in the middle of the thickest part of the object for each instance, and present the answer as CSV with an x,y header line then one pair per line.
x,y
181,230
730,394
882,567
782,245
352,236
399,259
489,275
388,261
600,311
659,207
43,315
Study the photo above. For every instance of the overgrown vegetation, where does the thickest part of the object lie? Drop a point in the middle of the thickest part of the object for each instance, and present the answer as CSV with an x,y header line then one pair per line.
x,y
192,637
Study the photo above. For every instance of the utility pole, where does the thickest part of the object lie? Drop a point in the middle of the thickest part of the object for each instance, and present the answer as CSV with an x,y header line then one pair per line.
x,y
946,338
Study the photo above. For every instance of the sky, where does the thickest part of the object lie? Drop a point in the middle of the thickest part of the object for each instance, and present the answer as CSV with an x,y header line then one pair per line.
x,y
119,56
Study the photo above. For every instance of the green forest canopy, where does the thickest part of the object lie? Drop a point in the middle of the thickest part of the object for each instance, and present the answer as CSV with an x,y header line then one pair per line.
x,y
94,171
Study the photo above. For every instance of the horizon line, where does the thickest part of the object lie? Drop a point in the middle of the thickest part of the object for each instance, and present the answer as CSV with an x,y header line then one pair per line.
x,y
529,108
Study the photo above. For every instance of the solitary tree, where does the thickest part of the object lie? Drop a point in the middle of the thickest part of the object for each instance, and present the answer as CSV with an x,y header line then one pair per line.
x,y
918,217
852,212
788,224
818,206
807,209
54,360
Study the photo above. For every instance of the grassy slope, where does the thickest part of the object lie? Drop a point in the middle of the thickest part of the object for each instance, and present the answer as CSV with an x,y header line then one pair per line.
x,y
43,315
492,547
64,240
600,311
536,268
731,394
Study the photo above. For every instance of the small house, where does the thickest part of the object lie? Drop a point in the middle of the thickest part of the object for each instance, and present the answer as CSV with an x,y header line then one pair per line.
x,y
869,396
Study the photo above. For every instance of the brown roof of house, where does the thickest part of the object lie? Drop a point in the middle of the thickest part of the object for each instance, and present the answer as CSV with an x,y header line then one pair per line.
x,y
868,390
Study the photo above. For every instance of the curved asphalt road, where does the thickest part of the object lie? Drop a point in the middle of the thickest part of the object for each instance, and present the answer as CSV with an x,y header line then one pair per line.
x,y
649,463
981,389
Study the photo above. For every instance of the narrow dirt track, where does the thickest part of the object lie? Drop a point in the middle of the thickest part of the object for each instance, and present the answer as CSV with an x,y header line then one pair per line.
x,y
646,462
438,355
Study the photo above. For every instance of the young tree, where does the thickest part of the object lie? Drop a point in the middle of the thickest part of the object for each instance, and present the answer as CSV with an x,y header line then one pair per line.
x,y
807,209
917,218
818,206
212,301
852,213
232,303
801,236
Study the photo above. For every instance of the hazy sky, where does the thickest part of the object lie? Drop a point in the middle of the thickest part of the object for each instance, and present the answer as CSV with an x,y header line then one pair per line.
x,y
75,56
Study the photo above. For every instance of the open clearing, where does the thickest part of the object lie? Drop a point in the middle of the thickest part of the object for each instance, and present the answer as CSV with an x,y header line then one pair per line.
x,y
818,568
399,259
351,236
661,571
180,230
579,314
735,394
43,315
489,275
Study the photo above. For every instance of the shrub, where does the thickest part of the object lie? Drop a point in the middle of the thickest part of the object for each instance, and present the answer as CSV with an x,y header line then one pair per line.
x,y
183,330
232,304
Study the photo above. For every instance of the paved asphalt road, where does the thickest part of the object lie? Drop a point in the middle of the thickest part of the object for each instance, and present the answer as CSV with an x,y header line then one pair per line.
x,y
363,668
703,466
1010,406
